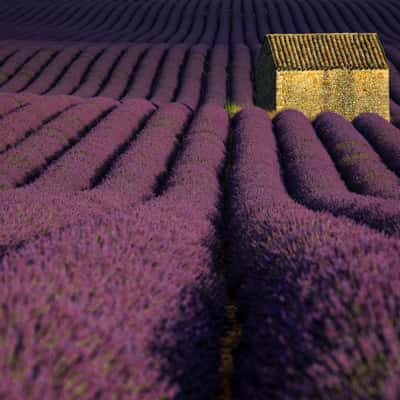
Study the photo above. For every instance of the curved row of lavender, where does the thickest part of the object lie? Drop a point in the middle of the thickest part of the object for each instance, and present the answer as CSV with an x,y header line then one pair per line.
x,y
168,74
193,81
312,178
134,173
317,295
190,75
141,86
10,103
24,121
383,136
29,155
195,176
87,160
359,165
137,321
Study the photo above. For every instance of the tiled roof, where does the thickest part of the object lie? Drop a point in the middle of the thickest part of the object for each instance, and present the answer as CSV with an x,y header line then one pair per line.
x,y
316,51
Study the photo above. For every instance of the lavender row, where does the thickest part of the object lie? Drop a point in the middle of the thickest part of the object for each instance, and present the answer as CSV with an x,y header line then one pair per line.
x,y
106,308
122,73
388,14
25,121
6,52
78,168
172,23
293,10
199,22
134,174
394,55
14,64
26,213
313,20
224,26
347,19
195,174
274,20
236,21
185,25
394,112
254,186
97,75
325,15
146,22
191,85
217,73
394,86
242,90
285,19
383,136
250,23
105,20
54,70
369,19
333,17
144,77
211,20
359,166
169,75
10,103
311,311
71,78
313,180
394,65
26,74
162,23
131,17
149,21
76,23
33,154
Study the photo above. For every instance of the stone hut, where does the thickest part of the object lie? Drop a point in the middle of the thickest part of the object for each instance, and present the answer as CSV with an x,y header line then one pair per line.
x,y
342,72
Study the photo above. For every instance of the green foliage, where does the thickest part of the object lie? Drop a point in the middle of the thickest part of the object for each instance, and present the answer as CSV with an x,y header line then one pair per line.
x,y
232,108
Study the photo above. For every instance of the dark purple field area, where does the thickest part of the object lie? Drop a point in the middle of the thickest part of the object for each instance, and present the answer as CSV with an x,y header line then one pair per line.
x,y
162,238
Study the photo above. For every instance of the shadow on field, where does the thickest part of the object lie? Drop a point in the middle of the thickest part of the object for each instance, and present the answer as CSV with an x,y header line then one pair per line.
x,y
189,346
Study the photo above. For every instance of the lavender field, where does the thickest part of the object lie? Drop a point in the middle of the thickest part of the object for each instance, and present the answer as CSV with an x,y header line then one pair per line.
x,y
161,237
